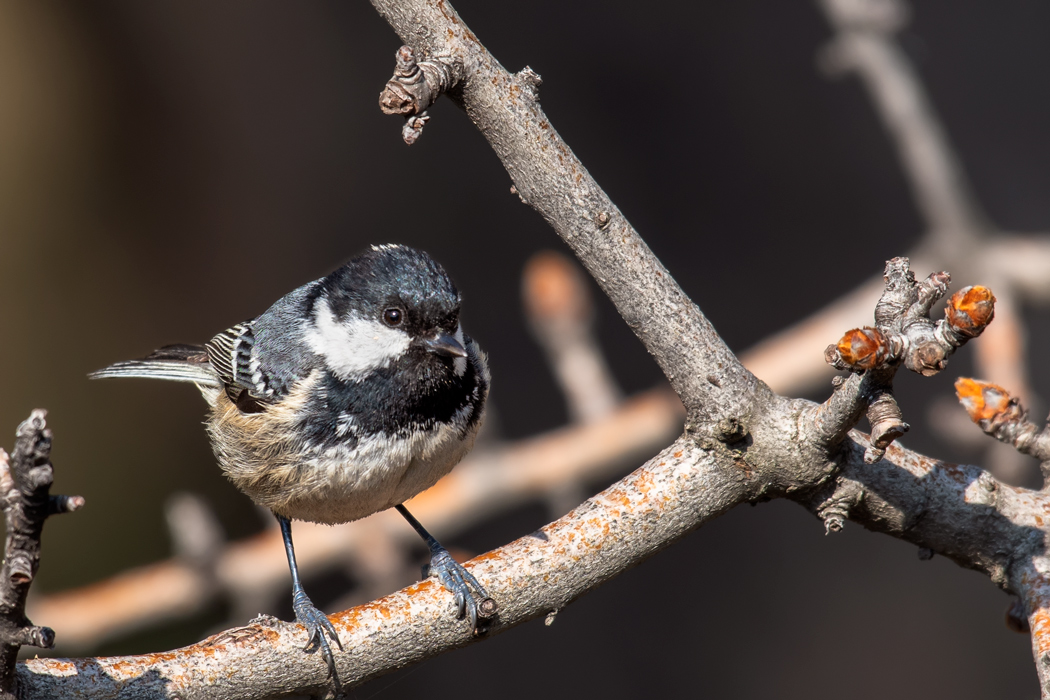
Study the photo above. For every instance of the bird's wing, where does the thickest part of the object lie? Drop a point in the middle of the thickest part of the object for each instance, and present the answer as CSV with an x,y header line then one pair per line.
x,y
178,363
230,354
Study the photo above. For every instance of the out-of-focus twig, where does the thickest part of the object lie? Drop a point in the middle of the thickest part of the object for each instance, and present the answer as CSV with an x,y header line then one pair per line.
x,y
561,315
864,43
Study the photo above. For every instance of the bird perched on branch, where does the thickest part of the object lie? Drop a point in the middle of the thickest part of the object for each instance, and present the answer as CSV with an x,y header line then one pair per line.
x,y
348,396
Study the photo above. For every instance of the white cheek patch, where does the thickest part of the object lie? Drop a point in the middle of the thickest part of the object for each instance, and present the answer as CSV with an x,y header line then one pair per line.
x,y
357,346
460,363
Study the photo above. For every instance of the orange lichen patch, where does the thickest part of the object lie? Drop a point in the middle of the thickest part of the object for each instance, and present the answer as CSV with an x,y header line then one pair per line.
x,y
678,454
643,481
985,401
488,556
1039,621
970,310
129,669
63,667
863,348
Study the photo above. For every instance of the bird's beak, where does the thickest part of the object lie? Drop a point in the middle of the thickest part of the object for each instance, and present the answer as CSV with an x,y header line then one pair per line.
x,y
445,344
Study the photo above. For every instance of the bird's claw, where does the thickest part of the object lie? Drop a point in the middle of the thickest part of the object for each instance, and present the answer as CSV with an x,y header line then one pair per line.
x,y
458,581
317,625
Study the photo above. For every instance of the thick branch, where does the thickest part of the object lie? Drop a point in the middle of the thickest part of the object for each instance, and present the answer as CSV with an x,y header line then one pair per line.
x,y
675,492
958,511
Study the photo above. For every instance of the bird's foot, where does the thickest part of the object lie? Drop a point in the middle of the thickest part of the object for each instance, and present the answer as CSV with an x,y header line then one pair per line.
x,y
317,625
458,581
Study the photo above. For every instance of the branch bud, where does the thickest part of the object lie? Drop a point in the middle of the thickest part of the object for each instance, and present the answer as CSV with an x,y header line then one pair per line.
x,y
987,404
860,349
970,310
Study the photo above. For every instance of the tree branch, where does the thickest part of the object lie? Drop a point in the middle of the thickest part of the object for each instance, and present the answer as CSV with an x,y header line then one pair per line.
x,y
673,493
561,315
25,480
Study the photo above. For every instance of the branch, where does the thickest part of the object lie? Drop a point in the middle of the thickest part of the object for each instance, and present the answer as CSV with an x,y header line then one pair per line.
x,y
958,511
903,336
673,493
25,481
1002,417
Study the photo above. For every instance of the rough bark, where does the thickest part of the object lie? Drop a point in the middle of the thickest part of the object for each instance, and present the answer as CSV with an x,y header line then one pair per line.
x,y
25,482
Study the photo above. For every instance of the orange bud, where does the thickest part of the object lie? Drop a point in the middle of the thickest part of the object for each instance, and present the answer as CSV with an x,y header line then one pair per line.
x,y
864,348
985,401
970,310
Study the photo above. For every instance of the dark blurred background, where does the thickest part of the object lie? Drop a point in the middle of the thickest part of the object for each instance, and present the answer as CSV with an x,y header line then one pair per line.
x,y
170,168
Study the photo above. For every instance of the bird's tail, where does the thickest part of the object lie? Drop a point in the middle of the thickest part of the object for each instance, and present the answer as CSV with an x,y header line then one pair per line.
x,y
177,363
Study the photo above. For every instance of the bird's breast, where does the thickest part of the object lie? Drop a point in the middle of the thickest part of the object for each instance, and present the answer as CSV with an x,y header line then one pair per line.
x,y
319,461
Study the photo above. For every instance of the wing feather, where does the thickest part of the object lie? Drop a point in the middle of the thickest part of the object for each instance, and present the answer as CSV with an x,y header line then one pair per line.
x,y
178,363
230,353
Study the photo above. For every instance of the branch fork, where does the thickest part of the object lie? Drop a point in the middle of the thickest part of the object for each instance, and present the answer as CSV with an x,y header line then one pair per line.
x,y
903,335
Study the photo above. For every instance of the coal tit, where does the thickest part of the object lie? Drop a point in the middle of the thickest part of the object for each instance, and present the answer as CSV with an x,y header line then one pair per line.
x,y
348,396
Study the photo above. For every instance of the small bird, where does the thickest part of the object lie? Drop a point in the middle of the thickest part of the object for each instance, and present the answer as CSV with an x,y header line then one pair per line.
x,y
348,396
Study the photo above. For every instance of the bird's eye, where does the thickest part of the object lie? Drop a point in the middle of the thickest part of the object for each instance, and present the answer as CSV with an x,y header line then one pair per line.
x,y
393,317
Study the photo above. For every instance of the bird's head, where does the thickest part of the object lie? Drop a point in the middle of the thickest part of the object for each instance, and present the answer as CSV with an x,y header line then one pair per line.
x,y
389,304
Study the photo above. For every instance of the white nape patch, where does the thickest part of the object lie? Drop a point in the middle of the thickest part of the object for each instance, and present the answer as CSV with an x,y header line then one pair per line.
x,y
355,347
460,363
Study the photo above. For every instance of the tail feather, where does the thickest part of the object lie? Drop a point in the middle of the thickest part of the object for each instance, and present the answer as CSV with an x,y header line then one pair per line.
x,y
177,363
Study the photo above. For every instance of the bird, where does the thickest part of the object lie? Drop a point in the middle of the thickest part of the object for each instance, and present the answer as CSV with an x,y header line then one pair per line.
x,y
348,396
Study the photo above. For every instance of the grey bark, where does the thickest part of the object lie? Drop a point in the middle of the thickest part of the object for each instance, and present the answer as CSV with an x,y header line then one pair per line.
x,y
25,482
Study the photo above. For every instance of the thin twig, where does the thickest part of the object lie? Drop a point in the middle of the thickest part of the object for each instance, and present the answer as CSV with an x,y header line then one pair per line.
x,y
561,314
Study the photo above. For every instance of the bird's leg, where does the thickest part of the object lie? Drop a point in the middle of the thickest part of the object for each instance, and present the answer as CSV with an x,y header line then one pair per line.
x,y
453,576
315,621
